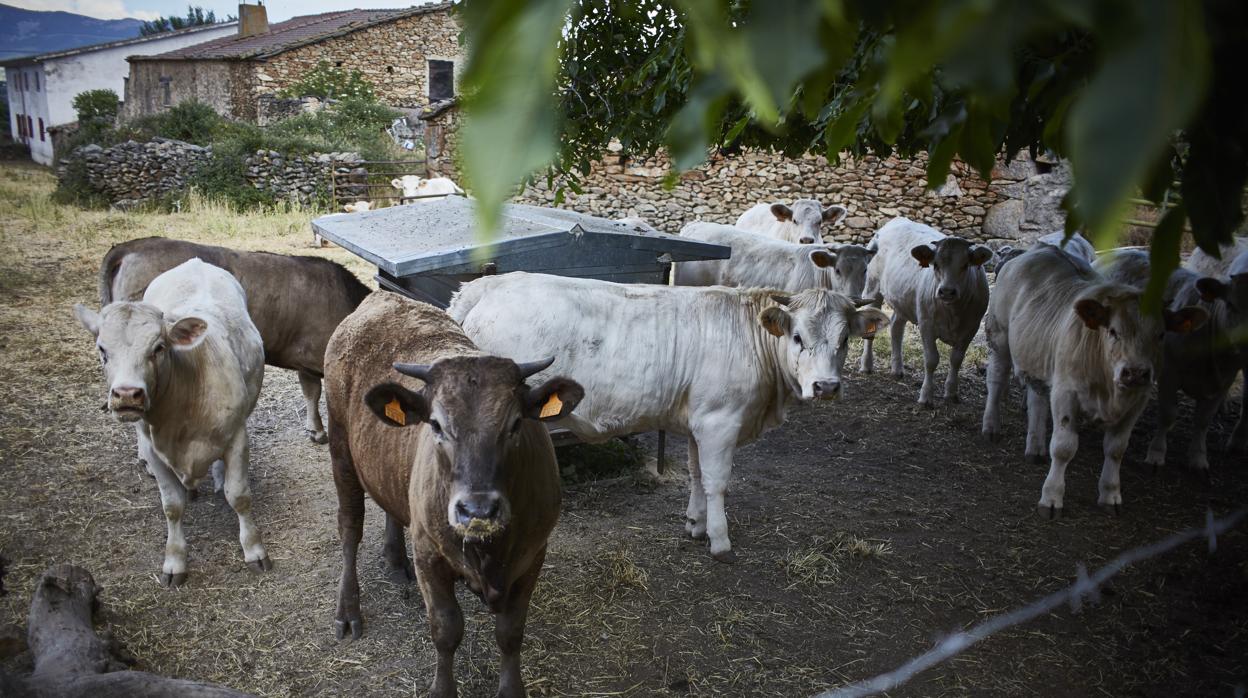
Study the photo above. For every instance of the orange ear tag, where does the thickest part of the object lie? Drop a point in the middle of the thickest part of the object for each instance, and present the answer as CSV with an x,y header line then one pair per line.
x,y
552,407
871,328
1187,326
394,412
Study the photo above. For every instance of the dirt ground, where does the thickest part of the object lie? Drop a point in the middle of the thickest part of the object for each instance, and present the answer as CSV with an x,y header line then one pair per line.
x,y
867,528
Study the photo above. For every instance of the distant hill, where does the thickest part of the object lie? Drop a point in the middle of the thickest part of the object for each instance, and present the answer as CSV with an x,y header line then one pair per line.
x,y
27,32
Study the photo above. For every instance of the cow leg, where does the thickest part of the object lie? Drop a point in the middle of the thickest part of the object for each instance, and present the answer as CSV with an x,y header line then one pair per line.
x,y
509,630
1197,451
715,450
896,334
238,494
173,501
394,552
695,513
1238,442
446,621
931,359
956,354
998,387
1167,411
1037,426
347,618
311,387
867,363
1062,448
1115,447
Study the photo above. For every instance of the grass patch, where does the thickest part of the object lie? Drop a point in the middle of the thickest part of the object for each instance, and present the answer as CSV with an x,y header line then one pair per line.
x,y
819,563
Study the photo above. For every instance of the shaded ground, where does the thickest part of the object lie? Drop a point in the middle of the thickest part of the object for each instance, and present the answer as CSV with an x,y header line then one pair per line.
x,y
867,528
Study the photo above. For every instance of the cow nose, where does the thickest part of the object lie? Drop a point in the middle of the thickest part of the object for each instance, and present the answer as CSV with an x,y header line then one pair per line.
x,y
476,506
807,240
827,389
1137,376
946,293
128,394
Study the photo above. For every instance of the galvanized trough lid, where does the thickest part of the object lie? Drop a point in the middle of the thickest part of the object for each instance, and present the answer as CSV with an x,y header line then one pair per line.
x,y
439,236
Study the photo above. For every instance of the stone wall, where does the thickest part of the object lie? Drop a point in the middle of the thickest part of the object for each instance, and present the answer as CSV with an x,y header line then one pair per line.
x,y
392,55
1020,200
132,174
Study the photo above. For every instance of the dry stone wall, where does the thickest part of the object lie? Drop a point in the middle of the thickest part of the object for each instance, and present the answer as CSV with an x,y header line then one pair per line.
x,y
132,174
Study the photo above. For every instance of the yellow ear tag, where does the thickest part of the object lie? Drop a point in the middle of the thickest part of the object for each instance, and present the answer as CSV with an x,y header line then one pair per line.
x,y
552,407
871,328
395,413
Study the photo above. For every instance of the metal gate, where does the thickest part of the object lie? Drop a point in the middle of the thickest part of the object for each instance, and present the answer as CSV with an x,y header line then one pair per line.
x,y
370,180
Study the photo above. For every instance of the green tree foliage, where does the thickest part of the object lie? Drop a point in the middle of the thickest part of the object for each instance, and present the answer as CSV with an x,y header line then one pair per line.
x,y
195,16
328,82
1138,94
96,106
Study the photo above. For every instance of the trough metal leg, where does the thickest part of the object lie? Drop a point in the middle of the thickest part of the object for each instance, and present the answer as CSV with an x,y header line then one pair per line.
x,y
662,452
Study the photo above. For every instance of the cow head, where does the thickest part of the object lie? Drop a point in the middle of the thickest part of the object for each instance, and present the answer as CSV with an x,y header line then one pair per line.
x,y
474,408
849,268
136,344
408,185
809,216
950,260
1132,340
814,328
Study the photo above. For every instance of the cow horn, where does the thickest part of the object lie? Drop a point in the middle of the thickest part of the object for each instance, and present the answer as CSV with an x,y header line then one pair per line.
x,y
420,371
528,369
860,302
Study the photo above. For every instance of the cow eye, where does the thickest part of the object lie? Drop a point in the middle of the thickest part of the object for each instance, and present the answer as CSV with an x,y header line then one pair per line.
x,y
515,427
436,427
157,349
103,354
1113,333
797,339
844,342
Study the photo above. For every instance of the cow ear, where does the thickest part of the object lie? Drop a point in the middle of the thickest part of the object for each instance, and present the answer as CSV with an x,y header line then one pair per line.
x,y
554,399
776,321
1211,289
1093,314
187,333
834,214
782,212
88,317
1184,320
396,183
822,258
396,405
924,253
867,322
980,255
781,299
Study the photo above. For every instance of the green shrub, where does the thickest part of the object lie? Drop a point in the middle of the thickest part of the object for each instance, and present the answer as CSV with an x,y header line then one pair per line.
x,y
327,82
193,122
96,106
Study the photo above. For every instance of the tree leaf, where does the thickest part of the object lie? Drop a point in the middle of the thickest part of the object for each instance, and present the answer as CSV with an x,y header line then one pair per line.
x,y
1163,256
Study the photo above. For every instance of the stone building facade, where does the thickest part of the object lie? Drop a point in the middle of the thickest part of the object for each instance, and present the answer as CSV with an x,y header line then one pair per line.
x,y
395,50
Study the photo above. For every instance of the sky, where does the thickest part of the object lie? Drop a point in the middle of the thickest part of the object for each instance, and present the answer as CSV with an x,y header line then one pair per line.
x,y
278,10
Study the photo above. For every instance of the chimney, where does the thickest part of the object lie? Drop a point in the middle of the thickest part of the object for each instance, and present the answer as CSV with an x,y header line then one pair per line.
x,y
252,20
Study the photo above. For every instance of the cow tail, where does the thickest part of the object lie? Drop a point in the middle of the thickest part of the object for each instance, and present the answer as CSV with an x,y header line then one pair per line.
x,y
108,272
466,298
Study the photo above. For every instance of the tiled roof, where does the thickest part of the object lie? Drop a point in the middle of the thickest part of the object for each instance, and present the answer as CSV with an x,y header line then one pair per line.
x,y
294,32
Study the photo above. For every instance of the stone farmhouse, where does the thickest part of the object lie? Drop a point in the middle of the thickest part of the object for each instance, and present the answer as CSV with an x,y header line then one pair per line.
x,y
411,56
41,88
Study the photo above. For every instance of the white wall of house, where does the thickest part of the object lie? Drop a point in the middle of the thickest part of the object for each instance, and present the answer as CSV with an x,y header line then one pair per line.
x,y
62,76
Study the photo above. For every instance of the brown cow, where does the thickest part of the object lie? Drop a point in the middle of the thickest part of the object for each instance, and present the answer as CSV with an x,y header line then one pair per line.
x,y
295,302
473,474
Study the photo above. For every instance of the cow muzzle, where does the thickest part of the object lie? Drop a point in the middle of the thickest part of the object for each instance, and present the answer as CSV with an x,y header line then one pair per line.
x,y
478,516
827,390
806,240
128,404
946,294
1132,377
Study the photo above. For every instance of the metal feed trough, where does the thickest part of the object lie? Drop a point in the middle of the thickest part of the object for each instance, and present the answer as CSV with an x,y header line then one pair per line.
x,y
426,250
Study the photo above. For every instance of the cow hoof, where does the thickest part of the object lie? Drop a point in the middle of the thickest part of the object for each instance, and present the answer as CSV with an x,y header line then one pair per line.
x,y
317,437
992,436
1034,459
401,574
172,580
354,626
1049,511
728,557
192,495
898,375
953,400
264,564
927,404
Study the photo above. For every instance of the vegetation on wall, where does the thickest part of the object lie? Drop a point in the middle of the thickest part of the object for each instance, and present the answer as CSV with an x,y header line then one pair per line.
x,y
328,82
1137,94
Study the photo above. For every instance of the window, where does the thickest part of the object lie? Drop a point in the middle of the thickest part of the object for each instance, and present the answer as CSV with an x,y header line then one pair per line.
x,y
30,127
36,82
441,80
21,127
42,132
166,90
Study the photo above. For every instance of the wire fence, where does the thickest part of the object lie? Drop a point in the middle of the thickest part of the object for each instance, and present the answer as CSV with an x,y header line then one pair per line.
x,y
1085,589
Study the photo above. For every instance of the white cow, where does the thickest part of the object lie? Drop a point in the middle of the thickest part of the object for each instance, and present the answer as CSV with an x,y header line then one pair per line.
x,y
638,223
1061,326
719,365
419,189
1202,363
358,207
934,281
1207,265
1077,246
801,223
185,367
763,262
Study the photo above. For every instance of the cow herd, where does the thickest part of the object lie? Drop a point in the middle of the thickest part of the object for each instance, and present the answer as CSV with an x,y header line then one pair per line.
x,y
438,416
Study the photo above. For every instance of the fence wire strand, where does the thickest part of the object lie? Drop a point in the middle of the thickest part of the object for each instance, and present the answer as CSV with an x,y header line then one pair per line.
x,y
1086,589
